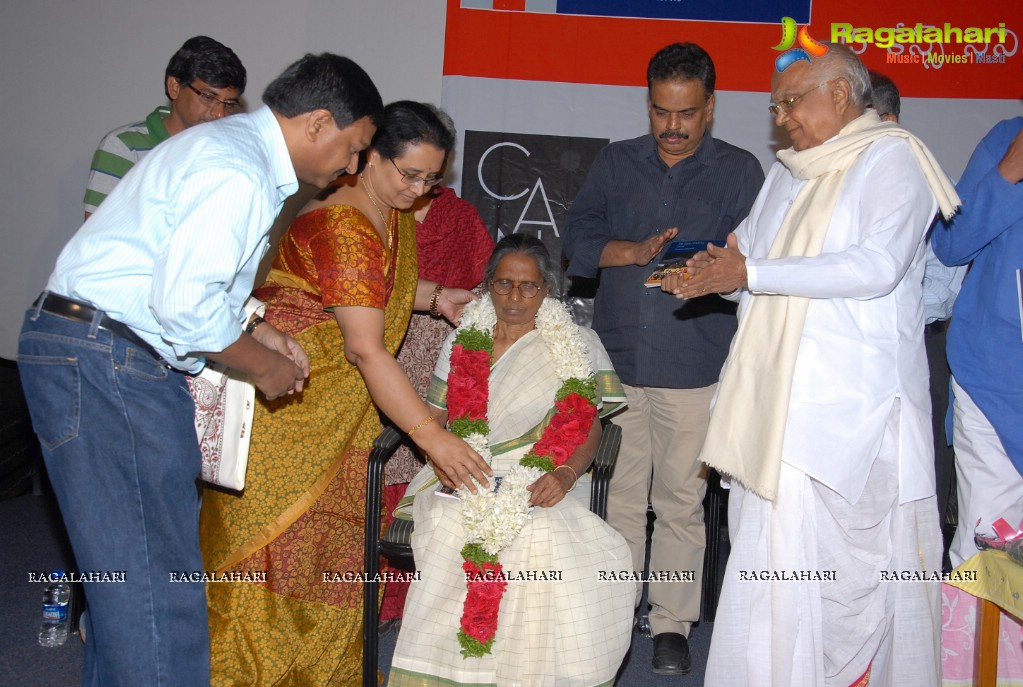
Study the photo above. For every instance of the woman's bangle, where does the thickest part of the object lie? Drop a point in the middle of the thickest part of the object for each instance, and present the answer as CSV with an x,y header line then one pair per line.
x,y
435,300
422,423
251,327
575,475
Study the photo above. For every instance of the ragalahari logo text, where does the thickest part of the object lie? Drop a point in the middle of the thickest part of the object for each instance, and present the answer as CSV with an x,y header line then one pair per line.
x,y
808,47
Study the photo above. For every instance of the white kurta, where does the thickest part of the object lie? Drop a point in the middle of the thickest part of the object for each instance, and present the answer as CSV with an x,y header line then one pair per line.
x,y
862,343
856,494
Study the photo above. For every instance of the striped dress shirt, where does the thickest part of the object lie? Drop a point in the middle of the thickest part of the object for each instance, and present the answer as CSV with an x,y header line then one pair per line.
x,y
174,249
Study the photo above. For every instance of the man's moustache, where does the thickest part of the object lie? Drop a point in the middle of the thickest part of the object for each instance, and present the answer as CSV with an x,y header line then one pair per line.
x,y
673,134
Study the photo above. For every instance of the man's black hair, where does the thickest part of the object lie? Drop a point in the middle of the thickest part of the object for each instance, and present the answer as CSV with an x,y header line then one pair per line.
x,y
329,82
682,62
203,58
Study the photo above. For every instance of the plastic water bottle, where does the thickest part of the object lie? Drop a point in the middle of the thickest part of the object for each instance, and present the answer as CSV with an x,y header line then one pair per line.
x,y
54,629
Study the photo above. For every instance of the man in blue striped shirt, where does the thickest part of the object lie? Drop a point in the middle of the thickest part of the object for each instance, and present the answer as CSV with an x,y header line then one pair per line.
x,y
152,285
679,182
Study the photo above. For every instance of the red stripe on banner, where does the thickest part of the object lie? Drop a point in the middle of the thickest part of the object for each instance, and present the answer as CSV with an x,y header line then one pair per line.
x,y
513,5
614,51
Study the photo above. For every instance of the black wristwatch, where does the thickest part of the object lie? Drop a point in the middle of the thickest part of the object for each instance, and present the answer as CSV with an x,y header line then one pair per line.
x,y
256,321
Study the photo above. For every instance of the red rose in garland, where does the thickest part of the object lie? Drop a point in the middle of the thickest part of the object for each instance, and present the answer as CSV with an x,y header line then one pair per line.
x,y
492,519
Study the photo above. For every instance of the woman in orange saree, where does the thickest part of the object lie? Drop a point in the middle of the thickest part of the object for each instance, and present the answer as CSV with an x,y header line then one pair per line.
x,y
343,284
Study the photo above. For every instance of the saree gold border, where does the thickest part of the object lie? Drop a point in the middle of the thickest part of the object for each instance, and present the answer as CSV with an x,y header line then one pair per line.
x,y
399,677
530,437
609,387
437,393
292,281
295,510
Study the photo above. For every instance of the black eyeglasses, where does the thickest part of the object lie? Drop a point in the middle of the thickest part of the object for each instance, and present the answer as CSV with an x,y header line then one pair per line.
x,y
527,289
211,101
413,180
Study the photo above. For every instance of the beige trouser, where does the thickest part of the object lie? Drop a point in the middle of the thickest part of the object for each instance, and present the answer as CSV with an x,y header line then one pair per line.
x,y
662,434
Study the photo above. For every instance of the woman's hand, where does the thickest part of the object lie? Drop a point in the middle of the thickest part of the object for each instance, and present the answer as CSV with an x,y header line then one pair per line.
x,y
452,459
550,488
452,302
391,391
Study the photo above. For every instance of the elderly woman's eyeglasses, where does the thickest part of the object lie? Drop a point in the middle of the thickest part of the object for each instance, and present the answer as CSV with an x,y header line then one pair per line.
x,y
413,180
210,101
789,104
527,289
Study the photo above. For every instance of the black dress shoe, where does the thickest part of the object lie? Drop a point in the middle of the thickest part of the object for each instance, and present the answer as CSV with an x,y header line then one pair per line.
x,y
671,654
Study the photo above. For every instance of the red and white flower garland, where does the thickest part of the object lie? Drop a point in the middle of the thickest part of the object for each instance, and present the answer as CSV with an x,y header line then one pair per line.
x,y
493,519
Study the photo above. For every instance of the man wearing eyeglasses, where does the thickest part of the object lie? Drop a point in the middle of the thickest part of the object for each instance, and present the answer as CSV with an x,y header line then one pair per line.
x,y
203,81
822,414
675,182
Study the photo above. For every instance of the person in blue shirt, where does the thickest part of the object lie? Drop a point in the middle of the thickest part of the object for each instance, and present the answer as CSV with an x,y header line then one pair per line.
x,y
985,339
152,285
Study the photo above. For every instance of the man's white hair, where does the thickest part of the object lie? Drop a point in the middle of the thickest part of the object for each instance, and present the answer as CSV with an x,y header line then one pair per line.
x,y
839,62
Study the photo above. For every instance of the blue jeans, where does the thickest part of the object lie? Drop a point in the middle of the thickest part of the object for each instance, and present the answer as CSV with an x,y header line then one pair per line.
x,y
118,436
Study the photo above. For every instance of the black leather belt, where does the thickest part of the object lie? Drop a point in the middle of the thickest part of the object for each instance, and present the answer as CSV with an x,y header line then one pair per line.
x,y
62,306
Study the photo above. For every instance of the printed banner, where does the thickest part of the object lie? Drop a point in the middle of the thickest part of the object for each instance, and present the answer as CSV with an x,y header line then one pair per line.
x,y
537,87
934,50
748,11
525,182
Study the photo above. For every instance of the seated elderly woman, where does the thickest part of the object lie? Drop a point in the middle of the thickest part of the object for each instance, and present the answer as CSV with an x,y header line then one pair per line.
x,y
510,587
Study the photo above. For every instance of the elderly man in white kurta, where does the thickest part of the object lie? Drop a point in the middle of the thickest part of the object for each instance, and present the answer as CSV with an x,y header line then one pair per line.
x,y
822,418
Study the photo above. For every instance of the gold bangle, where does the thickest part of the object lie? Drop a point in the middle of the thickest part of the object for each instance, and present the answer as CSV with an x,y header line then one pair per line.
x,y
575,475
422,423
435,300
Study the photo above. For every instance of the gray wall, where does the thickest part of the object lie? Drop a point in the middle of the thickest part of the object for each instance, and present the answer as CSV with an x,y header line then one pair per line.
x,y
72,71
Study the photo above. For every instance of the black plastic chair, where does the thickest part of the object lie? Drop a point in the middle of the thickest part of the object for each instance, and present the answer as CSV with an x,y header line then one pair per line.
x,y
714,503
396,544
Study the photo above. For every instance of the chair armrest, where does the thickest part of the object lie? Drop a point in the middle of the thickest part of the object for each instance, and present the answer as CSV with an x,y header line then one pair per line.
x,y
386,443
604,466
384,447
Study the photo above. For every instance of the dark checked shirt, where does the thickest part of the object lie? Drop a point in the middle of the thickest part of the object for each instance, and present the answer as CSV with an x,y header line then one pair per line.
x,y
630,194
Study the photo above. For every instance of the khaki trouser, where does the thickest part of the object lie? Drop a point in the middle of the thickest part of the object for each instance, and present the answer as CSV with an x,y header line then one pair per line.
x,y
662,434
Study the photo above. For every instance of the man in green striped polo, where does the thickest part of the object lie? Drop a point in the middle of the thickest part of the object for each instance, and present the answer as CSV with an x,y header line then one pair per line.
x,y
204,81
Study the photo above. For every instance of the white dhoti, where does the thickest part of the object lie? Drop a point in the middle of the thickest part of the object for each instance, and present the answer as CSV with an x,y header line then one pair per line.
x,y
814,591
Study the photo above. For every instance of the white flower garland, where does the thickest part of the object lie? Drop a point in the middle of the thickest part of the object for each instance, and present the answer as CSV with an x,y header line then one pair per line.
x,y
492,518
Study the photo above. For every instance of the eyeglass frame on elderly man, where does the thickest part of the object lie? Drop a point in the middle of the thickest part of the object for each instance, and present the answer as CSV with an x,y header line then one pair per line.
x,y
527,289
211,101
414,180
789,104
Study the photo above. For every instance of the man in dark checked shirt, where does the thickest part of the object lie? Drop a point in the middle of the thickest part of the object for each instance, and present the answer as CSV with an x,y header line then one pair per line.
x,y
675,183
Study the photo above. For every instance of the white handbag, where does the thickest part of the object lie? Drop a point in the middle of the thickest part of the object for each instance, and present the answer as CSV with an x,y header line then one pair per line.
x,y
225,401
